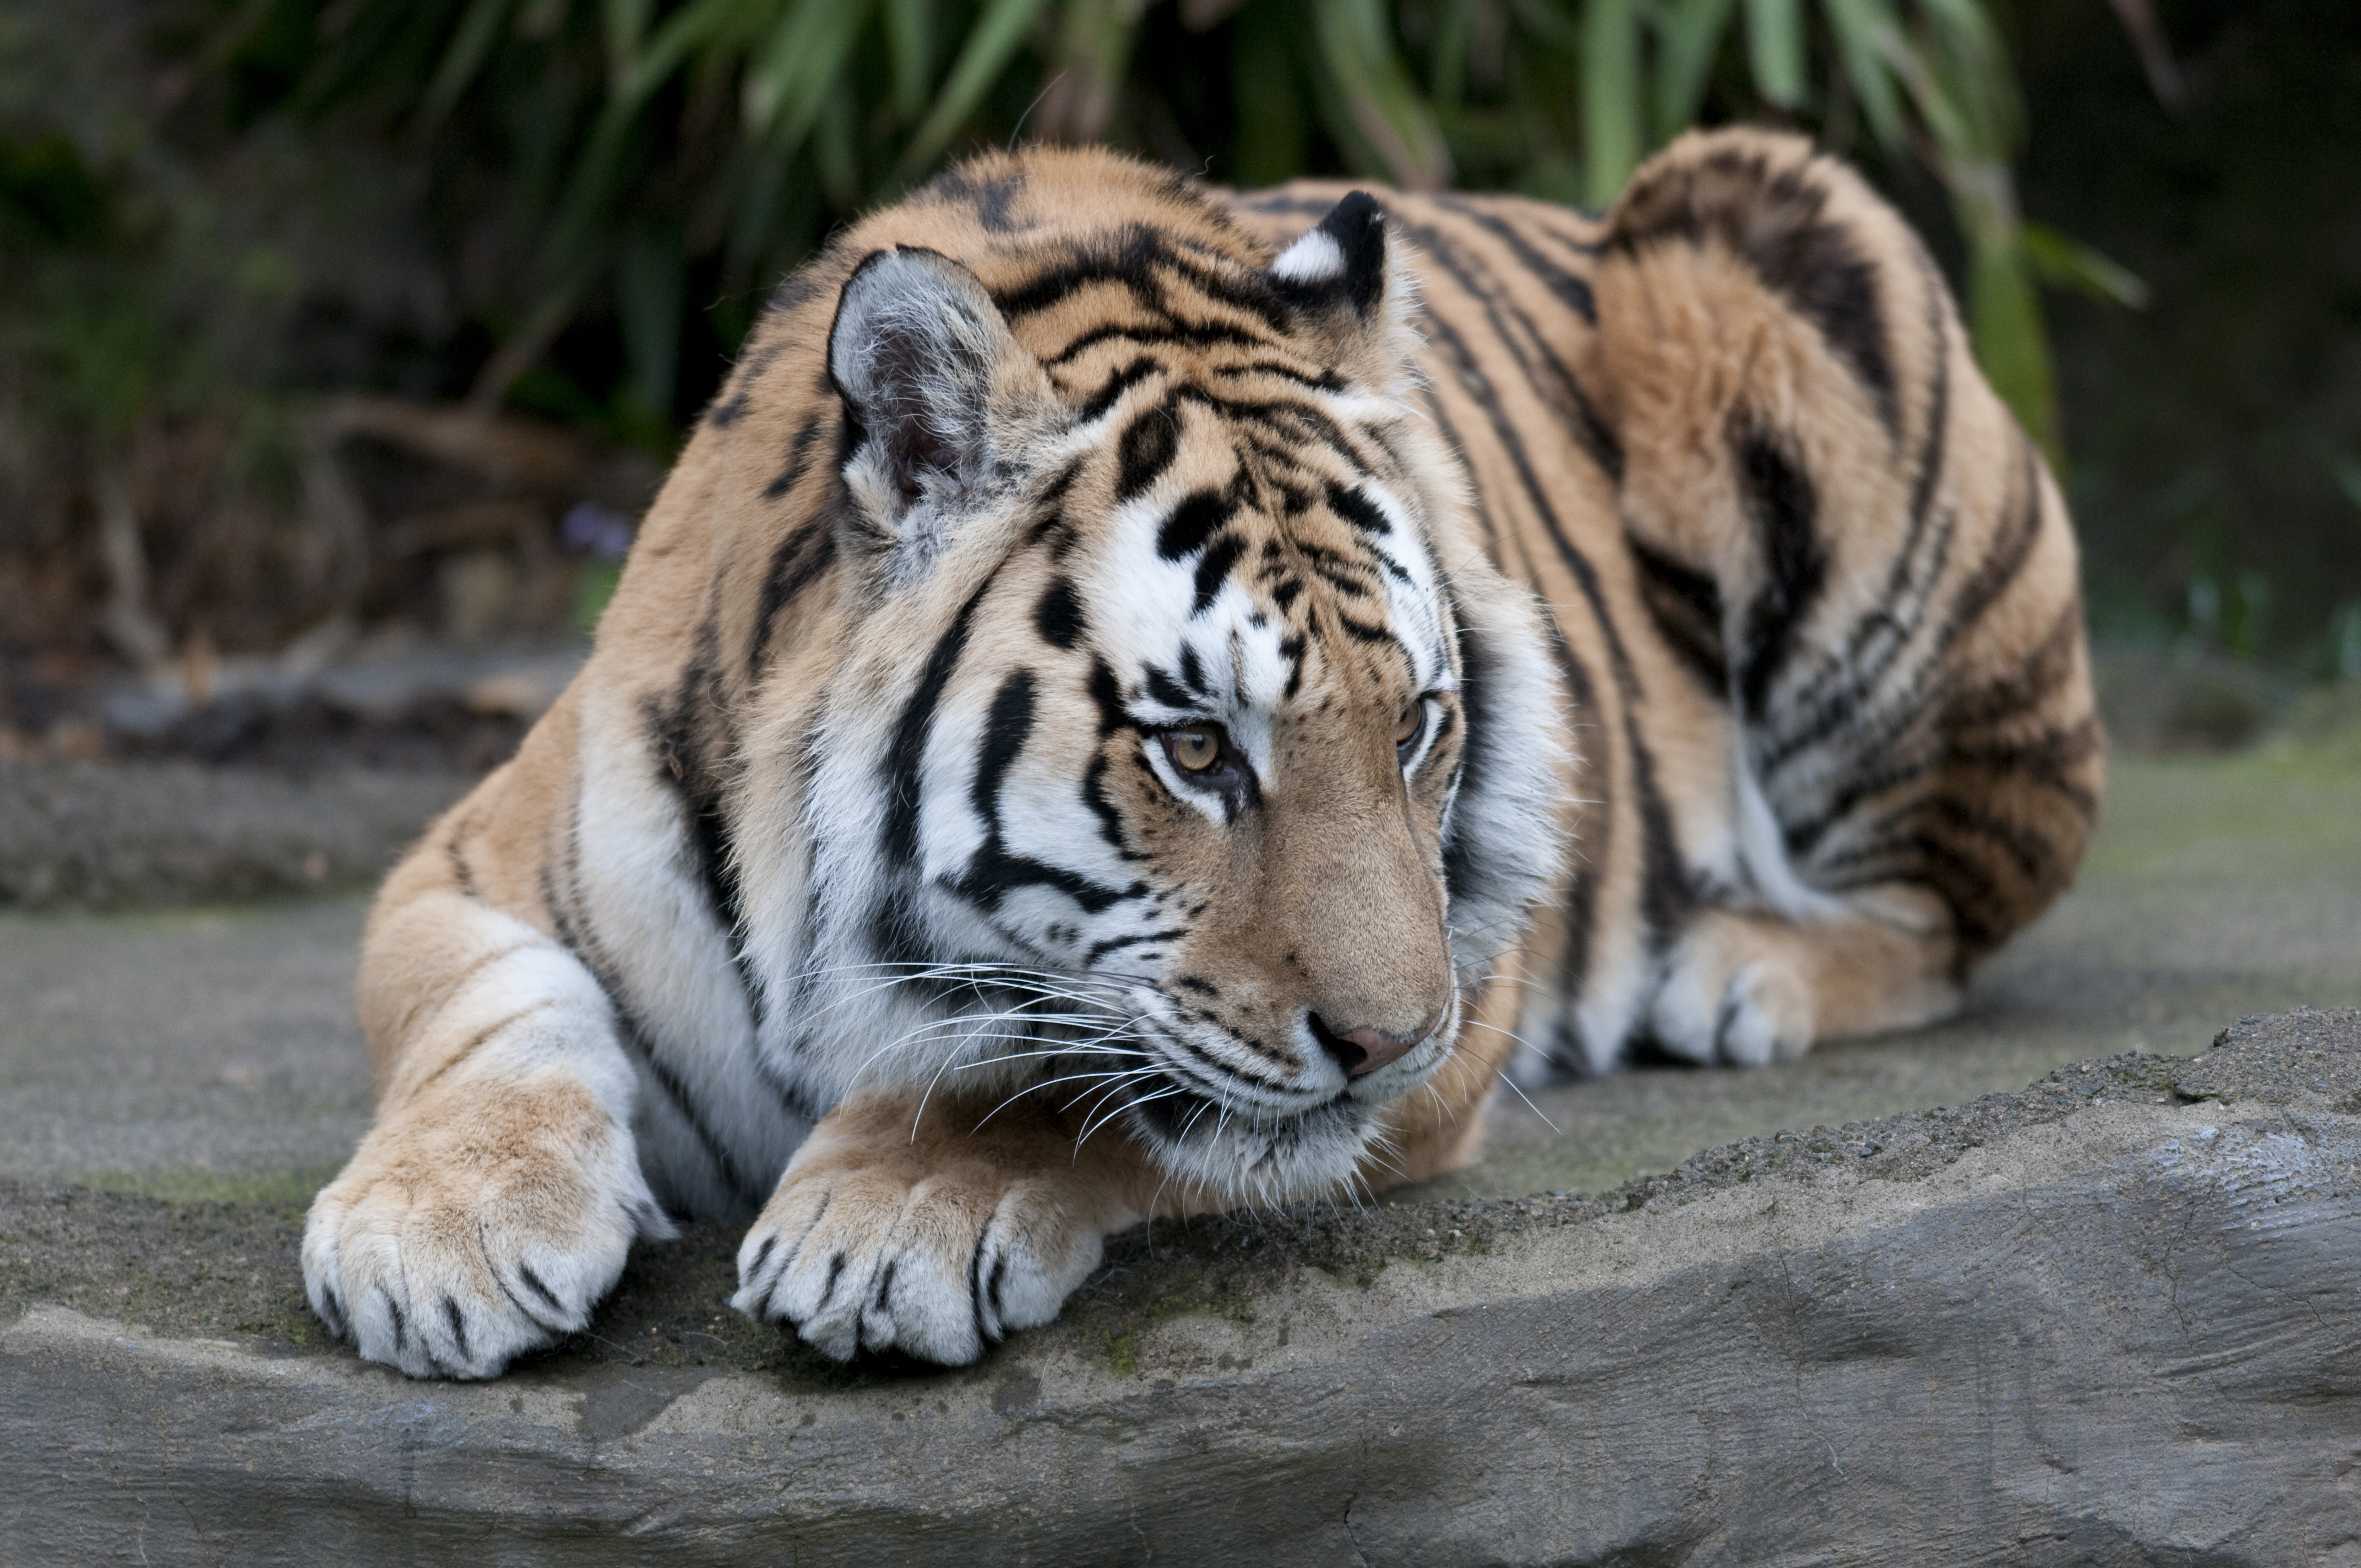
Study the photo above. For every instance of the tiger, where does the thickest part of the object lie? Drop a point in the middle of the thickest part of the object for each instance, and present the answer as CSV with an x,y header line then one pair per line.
x,y
1139,700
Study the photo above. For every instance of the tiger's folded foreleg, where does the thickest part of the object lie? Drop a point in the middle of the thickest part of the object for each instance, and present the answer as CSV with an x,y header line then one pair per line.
x,y
495,1197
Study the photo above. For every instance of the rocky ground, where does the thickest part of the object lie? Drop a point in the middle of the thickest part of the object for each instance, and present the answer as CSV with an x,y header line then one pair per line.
x,y
1900,1310
2114,1319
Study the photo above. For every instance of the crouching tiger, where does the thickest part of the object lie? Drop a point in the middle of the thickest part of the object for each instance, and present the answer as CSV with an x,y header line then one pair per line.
x,y
1139,700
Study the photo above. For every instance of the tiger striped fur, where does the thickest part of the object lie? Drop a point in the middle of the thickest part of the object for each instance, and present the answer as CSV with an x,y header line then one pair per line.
x,y
1139,700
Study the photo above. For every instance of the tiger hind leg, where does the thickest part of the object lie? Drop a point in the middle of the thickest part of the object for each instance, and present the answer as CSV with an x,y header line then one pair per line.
x,y
1845,540
1743,988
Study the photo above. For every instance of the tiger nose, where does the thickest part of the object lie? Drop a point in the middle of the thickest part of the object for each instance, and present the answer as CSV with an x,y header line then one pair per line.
x,y
1365,1049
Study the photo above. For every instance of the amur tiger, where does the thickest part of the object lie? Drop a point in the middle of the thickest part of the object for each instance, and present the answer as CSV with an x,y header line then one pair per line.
x,y
1139,700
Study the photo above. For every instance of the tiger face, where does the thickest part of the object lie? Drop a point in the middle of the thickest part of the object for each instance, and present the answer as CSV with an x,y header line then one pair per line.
x,y
1170,692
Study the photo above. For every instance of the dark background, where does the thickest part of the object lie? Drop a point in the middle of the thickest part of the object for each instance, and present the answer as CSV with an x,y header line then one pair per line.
x,y
218,218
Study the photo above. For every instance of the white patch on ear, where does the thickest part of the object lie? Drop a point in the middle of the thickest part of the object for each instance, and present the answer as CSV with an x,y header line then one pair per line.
x,y
1314,259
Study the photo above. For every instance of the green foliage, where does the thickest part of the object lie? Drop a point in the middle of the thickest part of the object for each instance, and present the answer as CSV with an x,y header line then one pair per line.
x,y
646,145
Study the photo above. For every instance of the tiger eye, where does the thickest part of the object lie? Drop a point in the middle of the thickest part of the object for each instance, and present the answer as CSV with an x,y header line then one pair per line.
x,y
1196,749
1407,727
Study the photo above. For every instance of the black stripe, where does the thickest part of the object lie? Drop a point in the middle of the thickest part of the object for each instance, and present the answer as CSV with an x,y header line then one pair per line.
x,y
692,741
1146,449
1133,262
535,1283
989,199
1356,509
1577,564
1463,878
461,872
1161,687
1198,517
1214,569
1198,334
1581,897
1115,944
993,873
689,737
1299,423
1778,224
1591,432
799,451
1006,729
1106,693
1881,635
2046,760
2003,560
632,1034
903,759
457,1320
1059,615
1310,381
798,561
1687,608
2050,760
1115,386
1572,290
2006,558
1794,564
1581,889
1668,894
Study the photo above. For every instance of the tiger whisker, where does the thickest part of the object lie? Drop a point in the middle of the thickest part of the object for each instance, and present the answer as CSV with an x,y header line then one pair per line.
x,y
974,976
1035,1088
1528,1098
946,1067
1091,1125
1107,1031
1060,1052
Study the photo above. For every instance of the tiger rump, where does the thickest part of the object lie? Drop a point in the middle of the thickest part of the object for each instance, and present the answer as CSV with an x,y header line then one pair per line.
x,y
1904,647
1097,701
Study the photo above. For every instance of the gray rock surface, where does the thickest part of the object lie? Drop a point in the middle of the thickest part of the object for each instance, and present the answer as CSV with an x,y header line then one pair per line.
x,y
2114,1318
150,833
205,1053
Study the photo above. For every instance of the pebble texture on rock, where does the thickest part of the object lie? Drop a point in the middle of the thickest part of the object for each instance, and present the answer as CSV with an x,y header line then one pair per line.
x,y
2115,1319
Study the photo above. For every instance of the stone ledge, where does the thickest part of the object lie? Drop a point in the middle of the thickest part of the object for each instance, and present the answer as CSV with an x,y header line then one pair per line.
x,y
2116,1317
116,834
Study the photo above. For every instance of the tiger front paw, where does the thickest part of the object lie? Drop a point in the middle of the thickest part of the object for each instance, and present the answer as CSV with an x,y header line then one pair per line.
x,y
934,1246
448,1247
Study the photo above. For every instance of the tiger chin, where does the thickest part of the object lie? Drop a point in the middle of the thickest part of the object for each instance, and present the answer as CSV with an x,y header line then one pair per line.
x,y
1140,700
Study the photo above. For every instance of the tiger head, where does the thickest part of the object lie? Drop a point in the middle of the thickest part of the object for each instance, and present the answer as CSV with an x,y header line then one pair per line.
x,y
1187,756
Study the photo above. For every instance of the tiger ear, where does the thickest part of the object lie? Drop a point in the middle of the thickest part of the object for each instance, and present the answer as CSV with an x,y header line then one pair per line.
x,y
936,391
1349,280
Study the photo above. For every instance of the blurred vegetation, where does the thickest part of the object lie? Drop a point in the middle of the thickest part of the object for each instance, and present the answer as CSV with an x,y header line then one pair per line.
x,y
2214,438
214,213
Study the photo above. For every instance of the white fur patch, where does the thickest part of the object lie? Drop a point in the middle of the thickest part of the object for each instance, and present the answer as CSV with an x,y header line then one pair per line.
x,y
1314,259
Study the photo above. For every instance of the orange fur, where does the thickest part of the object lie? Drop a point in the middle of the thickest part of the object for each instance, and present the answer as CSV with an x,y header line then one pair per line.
x,y
1803,686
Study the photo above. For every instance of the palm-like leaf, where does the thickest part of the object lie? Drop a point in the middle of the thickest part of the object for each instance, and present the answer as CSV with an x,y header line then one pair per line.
x,y
739,129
